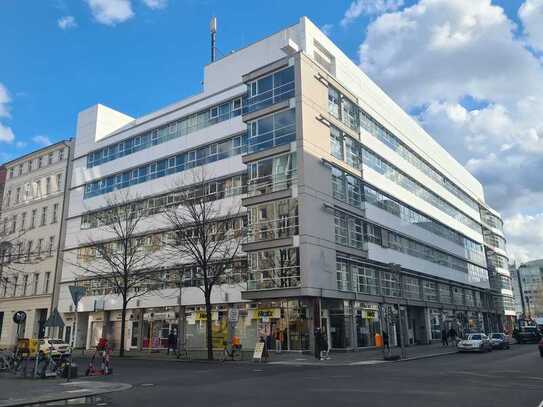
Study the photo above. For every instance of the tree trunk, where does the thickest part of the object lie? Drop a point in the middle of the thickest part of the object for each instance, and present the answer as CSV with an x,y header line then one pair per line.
x,y
209,332
180,326
123,324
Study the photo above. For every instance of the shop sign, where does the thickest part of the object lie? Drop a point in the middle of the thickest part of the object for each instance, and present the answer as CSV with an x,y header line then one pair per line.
x,y
202,316
268,313
159,316
370,314
259,350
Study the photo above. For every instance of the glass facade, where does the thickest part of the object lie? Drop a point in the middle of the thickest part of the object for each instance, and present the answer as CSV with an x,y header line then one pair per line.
x,y
175,129
272,174
171,165
271,131
270,89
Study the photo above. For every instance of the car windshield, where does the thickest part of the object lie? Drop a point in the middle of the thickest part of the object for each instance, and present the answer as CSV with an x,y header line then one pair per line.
x,y
474,337
497,336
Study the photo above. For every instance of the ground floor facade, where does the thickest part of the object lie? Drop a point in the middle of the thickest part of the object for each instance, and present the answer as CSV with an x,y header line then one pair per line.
x,y
286,324
36,310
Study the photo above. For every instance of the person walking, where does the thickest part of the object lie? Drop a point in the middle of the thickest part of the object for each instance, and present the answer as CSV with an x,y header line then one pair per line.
x,y
318,343
171,342
278,341
386,344
452,335
444,341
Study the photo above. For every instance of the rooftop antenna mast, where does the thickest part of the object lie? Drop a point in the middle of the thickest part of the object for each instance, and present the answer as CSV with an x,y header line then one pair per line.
x,y
213,30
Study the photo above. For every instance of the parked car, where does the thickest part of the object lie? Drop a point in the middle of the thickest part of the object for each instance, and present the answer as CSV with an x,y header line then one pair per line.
x,y
527,335
499,340
477,342
57,347
540,346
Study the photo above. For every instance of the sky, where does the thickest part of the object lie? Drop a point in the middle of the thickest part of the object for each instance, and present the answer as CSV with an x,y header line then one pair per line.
x,y
469,71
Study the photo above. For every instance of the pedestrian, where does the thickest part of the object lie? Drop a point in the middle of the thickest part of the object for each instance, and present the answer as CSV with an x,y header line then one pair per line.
x,y
318,343
324,348
386,344
452,335
278,341
444,341
265,350
171,341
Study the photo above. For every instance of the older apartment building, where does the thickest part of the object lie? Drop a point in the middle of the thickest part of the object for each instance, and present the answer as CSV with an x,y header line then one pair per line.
x,y
356,218
30,225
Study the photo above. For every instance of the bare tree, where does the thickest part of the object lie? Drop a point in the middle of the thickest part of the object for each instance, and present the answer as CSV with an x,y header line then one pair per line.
x,y
126,259
206,236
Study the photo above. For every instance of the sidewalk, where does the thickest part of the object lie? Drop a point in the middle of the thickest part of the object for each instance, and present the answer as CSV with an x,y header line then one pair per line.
x,y
16,391
372,356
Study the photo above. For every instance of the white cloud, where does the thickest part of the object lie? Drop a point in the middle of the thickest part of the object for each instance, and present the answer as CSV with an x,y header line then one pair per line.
x,y
478,90
42,140
67,22
327,28
156,4
369,7
4,101
21,144
111,12
526,236
531,15
6,134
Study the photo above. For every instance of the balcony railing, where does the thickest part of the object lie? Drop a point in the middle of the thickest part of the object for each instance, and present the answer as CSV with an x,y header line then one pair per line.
x,y
271,183
272,229
269,97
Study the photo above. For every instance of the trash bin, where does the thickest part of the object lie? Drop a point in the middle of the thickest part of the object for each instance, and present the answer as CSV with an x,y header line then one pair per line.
x,y
379,341
73,373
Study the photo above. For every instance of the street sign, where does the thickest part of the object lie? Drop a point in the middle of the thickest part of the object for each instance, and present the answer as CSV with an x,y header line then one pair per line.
x,y
233,314
77,293
55,320
19,317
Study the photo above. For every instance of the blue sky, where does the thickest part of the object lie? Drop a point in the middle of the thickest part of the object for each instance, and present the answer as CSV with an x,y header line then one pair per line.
x,y
152,59
470,71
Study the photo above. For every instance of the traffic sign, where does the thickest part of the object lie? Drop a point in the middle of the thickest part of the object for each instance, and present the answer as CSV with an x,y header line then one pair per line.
x,y
19,317
77,293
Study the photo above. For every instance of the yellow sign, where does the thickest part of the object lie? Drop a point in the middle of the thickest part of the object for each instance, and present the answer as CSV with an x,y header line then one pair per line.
x,y
266,313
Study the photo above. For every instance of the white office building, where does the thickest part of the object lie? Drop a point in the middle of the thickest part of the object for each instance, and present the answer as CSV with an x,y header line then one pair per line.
x,y
355,215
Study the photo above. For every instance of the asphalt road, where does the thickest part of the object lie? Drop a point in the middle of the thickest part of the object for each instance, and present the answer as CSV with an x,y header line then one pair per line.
x,y
501,378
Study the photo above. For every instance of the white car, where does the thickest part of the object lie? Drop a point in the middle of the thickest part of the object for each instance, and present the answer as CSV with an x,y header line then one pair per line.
x,y
56,347
477,342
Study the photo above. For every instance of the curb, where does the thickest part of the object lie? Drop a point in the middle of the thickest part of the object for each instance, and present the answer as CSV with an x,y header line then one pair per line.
x,y
433,355
62,396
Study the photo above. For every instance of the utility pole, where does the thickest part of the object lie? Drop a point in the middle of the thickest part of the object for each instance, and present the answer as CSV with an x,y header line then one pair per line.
x,y
396,269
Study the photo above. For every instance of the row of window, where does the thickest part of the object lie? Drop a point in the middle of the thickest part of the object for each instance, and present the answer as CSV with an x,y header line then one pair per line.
x,y
273,130
491,220
352,231
171,165
354,275
36,218
212,190
354,117
189,276
37,189
22,285
350,189
37,163
261,93
179,128
497,261
494,240
154,242
28,251
351,151
390,172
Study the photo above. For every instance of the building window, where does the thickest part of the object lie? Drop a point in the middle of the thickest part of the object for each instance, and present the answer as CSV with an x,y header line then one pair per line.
x,y
50,158
55,213
61,154
29,250
59,182
46,282
47,185
18,195
25,285
51,243
36,283
23,221
39,247
33,218
43,216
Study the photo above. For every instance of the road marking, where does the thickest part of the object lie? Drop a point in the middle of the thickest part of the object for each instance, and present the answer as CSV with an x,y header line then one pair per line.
x,y
531,377
78,391
540,404
474,374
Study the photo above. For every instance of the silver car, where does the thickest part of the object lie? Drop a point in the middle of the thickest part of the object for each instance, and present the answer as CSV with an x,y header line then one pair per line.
x,y
477,342
499,341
